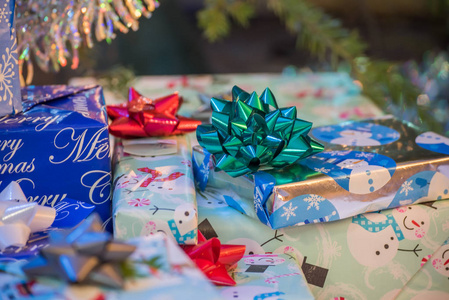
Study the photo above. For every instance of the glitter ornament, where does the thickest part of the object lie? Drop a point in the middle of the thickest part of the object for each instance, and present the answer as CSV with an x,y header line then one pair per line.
x,y
53,30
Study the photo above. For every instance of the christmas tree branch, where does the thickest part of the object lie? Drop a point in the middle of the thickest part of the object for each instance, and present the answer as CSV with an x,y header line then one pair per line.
x,y
326,38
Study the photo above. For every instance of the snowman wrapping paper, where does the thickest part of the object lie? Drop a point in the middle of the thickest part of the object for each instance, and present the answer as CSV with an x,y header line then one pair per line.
x,y
268,276
172,276
155,193
370,256
366,166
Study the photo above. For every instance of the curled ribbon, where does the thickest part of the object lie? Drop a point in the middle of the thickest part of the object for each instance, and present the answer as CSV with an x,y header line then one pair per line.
x,y
253,132
85,254
215,259
18,218
144,117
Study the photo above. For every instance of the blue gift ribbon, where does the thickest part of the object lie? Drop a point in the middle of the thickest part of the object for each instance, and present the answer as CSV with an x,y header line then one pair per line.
x,y
264,184
201,172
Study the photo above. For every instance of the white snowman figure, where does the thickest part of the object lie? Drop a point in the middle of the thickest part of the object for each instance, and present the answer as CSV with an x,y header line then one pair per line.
x,y
373,239
185,217
372,248
356,137
365,178
181,227
252,247
438,188
260,263
127,180
251,292
440,260
432,138
413,221
210,198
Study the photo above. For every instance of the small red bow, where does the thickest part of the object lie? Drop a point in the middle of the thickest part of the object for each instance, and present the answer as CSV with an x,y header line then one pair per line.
x,y
215,259
143,117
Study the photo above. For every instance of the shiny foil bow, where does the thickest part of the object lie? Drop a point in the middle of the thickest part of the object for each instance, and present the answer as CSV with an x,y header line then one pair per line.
x,y
252,132
214,259
143,117
85,254
18,218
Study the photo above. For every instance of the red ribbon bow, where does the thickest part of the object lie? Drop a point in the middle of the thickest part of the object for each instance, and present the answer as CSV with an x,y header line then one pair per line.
x,y
143,117
214,259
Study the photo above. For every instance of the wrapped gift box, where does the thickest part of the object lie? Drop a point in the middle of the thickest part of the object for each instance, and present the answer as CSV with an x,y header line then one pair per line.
x,y
10,101
345,258
59,146
326,98
174,276
261,276
155,192
367,166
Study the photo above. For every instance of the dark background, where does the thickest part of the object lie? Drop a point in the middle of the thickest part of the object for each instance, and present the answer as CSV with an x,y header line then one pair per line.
x,y
171,43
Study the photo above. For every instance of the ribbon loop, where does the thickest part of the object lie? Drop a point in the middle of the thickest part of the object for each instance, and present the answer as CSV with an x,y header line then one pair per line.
x,y
144,117
215,259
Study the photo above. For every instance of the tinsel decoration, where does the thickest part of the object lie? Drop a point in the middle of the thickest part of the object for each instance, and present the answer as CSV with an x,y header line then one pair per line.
x,y
53,30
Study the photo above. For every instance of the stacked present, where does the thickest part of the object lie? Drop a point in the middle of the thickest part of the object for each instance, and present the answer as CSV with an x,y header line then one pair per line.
x,y
265,206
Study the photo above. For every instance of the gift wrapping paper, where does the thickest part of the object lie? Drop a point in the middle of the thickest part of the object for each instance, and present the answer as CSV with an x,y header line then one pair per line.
x,y
325,98
59,146
10,100
431,281
368,256
268,276
175,277
366,166
155,193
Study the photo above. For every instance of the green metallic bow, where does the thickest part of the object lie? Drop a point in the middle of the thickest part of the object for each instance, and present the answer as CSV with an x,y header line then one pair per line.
x,y
252,132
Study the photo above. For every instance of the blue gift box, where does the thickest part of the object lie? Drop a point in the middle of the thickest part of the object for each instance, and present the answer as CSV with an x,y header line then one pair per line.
x,y
9,69
59,146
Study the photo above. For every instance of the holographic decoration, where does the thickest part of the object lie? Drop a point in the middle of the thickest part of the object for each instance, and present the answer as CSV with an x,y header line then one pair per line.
x,y
52,31
252,132
431,76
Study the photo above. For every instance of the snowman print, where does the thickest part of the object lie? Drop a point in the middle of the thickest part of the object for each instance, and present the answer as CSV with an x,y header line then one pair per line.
x,y
260,263
210,198
433,142
364,178
182,227
251,292
373,239
127,180
438,188
356,134
252,247
356,137
162,180
440,260
355,171
423,187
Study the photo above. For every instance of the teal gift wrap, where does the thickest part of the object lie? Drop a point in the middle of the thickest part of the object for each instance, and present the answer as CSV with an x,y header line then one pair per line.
x,y
369,256
268,276
155,192
366,166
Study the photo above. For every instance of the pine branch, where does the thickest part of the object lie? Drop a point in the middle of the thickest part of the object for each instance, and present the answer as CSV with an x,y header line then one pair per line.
x,y
326,38
215,18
